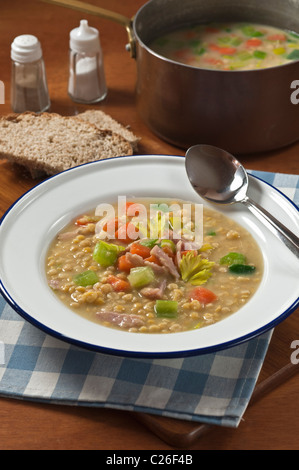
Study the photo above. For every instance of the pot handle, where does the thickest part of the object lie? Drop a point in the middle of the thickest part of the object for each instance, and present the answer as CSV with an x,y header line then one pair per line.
x,y
102,12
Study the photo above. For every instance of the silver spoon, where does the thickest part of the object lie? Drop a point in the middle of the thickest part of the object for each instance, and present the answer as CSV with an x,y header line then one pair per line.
x,y
219,177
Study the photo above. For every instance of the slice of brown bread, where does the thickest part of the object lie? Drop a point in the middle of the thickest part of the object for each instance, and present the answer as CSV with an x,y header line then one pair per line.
x,y
105,121
48,143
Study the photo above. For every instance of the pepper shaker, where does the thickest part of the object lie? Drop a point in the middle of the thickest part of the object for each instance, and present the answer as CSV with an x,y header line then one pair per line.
x,y
29,88
87,82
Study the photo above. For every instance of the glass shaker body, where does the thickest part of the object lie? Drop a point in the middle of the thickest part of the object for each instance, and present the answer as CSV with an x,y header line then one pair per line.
x,y
29,91
87,83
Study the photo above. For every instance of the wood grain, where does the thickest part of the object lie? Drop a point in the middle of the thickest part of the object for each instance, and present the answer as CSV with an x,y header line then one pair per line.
x,y
272,421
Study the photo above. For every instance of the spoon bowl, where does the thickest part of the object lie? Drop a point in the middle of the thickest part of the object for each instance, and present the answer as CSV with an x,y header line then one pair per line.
x,y
219,177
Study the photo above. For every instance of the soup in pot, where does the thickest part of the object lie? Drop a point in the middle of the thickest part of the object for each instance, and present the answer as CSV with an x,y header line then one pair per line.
x,y
229,46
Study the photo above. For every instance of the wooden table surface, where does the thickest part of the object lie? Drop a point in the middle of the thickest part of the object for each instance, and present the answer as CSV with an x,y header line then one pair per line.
x,y
272,422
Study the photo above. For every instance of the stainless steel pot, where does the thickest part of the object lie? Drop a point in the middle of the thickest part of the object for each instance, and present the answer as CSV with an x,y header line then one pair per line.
x,y
240,111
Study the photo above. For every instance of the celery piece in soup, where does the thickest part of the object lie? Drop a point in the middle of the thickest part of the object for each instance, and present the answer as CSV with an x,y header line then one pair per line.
x,y
166,308
233,258
141,276
106,254
87,278
241,269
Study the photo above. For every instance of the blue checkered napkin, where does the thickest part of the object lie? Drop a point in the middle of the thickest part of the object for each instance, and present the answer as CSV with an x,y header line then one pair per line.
x,y
287,184
212,388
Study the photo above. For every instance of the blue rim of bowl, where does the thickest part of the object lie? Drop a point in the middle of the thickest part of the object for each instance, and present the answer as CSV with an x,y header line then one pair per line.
x,y
142,354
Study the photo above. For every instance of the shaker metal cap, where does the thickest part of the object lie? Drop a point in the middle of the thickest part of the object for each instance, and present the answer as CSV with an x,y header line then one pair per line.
x,y
26,48
85,38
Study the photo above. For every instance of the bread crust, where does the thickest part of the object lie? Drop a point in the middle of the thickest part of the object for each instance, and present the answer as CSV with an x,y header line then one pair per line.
x,y
49,143
104,121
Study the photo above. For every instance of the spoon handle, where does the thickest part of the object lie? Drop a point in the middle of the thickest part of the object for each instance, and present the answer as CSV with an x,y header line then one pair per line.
x,y
280,230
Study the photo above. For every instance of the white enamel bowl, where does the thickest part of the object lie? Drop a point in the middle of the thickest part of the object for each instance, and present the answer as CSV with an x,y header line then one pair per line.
x,y
32,222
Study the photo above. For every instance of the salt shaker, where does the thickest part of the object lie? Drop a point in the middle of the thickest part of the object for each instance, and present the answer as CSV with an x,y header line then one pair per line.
x,y
87,82
29,88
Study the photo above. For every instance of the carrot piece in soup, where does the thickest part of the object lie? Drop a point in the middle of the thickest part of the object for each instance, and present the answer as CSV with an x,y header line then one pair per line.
x,y
110,225
227,50
224,50
124,264
277,37
203,295
133,209
118,284
254,42
126,232
141,250
153,259
213,47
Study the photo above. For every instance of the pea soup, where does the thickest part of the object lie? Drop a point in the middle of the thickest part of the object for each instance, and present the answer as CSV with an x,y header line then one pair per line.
x,y
229,46
165,282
